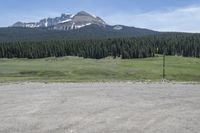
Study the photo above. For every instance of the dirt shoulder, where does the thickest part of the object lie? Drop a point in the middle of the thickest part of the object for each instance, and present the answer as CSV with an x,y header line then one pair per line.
x,y
140,107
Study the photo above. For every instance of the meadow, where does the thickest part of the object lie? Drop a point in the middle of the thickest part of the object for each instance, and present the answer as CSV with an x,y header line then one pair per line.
x,y
75,69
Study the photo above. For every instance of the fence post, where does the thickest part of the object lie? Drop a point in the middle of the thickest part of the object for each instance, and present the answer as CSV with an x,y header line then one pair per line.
x,y
164,66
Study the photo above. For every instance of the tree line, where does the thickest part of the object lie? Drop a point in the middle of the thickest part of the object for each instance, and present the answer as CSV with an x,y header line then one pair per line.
x,y
187,45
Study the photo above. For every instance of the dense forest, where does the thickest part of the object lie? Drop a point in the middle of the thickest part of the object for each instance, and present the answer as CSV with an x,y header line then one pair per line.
x,y
85,33
180,44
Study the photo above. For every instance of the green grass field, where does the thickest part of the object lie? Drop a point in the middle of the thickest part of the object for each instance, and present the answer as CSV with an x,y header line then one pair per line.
x,y
74,69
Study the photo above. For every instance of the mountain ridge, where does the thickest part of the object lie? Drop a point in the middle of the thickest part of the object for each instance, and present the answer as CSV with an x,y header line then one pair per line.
x,y
88,32
64,22
70,27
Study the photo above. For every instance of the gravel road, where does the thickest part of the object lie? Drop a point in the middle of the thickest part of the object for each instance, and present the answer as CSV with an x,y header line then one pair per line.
x,y
99,108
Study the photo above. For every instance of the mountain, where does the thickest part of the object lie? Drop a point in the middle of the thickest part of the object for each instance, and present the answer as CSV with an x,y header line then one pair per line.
x,y
70,27
46,22
65,22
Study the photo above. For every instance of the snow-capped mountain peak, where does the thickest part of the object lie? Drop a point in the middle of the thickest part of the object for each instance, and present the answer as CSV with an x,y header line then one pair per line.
x,y
66,21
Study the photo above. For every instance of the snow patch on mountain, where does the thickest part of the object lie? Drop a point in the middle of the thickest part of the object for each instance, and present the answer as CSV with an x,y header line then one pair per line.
x,y
46,23
118,27
72,15
83,25
94,16
72,27
64,21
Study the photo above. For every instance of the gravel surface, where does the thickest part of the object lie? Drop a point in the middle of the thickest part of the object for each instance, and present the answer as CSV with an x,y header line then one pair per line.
x,y
99,108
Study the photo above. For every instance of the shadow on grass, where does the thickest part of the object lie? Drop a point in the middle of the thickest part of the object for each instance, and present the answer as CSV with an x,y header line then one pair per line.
x,y
41,74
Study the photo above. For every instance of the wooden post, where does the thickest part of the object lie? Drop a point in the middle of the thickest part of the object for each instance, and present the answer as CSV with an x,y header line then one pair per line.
x,y
164,66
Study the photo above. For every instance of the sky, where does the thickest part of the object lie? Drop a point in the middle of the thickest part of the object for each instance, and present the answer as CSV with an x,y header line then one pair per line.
x,y
160,15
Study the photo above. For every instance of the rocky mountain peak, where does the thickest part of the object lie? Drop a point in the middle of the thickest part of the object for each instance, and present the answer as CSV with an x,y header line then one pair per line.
x,y
65,21
83,13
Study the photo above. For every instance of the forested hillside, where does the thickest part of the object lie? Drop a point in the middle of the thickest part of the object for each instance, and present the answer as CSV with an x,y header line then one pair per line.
x,y
85,33
187,45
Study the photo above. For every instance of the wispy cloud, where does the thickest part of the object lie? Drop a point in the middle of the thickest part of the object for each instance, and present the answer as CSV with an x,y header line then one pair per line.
x,y
185,19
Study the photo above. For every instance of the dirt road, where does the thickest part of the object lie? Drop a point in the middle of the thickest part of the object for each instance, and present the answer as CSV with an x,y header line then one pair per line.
x,y
99,108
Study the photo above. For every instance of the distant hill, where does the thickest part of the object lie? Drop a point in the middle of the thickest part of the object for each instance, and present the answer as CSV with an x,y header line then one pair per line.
x,y
88,32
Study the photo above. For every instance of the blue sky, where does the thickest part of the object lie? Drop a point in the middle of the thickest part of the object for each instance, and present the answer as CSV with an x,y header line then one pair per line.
x,y
162,15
